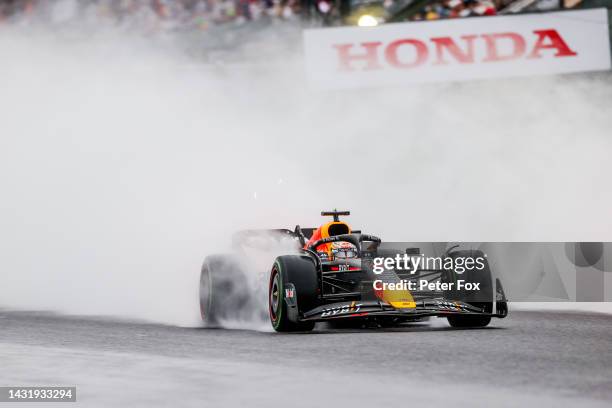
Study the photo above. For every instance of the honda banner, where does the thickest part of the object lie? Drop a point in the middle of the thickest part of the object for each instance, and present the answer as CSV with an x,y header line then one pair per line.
x,y
458,49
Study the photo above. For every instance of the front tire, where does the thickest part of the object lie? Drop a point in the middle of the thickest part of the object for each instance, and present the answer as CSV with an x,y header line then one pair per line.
x,y
483,298
301,272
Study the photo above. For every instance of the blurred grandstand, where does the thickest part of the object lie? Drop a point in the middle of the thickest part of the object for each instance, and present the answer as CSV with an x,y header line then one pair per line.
x,y
204,15
217,30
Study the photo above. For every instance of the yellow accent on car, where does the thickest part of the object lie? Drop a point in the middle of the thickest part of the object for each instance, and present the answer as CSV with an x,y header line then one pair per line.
x,y
399,299
403,305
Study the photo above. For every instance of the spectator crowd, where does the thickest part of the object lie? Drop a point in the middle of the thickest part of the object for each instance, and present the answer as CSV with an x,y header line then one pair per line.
x,y
457,9
152,14
441,9
156,15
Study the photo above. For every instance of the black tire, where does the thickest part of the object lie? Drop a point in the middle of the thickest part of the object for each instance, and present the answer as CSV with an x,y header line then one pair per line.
x,y
301,272
482,298
223,294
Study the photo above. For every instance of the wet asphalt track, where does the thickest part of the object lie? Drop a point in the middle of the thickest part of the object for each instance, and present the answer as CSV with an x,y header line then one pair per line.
x,y
529,359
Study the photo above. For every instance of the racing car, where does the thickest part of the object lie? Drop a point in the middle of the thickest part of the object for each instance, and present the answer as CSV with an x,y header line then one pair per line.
x,y
333,273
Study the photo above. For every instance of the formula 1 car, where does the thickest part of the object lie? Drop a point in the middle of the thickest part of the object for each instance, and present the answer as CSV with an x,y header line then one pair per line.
x,y
334,273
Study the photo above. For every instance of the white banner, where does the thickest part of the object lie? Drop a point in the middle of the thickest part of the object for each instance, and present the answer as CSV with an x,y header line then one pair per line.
x,y
458,49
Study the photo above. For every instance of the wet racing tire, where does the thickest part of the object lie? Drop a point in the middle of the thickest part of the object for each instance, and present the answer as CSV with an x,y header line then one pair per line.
x,y
299,271
483,298
223,294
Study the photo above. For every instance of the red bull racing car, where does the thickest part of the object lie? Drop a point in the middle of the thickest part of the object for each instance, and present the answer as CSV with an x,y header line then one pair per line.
x,y
334,273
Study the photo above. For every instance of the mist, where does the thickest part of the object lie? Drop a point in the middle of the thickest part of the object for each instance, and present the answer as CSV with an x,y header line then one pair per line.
x,y
124,162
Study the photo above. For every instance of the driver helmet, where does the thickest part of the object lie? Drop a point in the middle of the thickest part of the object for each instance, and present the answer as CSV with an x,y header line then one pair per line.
x,y
343,250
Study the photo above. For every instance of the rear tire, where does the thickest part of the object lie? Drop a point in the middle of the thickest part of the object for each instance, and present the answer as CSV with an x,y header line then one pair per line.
x,y
482,298
223,294
301,272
